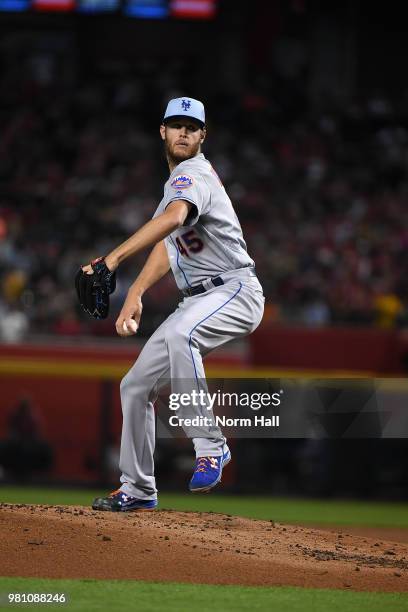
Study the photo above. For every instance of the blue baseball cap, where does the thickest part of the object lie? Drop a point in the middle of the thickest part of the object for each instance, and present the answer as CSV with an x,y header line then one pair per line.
x,y
185,107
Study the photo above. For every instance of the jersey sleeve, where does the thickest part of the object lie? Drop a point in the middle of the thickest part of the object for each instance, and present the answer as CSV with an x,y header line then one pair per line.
x,y
192,187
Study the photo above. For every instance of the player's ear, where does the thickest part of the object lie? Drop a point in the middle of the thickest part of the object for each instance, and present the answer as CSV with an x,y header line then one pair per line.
x,y
163,132
203,135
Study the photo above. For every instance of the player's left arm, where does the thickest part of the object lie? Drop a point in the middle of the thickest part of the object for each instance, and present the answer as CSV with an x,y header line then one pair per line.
x,y
149,234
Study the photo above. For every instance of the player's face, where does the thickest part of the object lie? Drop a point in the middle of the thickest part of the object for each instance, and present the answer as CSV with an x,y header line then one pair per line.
x,y
182,139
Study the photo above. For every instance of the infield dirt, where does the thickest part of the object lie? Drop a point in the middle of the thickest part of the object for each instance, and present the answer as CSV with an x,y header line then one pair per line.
x,y
165,545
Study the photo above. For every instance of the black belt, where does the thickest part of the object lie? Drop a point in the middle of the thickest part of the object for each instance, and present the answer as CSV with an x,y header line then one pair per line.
x,y
197,289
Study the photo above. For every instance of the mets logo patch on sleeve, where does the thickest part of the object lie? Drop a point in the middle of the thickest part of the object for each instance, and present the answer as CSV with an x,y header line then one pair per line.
x,y
182,181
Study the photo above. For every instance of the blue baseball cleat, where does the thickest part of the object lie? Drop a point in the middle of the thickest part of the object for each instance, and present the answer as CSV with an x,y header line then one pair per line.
x,y
118,501
208,472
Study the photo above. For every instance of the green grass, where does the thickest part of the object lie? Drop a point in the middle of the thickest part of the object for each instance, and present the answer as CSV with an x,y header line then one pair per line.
x,y
90,595
330,512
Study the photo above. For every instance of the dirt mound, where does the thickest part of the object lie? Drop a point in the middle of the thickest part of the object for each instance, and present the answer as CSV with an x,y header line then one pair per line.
x,y
391,534
164,545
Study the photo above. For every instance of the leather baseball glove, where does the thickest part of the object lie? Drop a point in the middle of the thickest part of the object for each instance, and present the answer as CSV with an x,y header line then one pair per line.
x,y
94,289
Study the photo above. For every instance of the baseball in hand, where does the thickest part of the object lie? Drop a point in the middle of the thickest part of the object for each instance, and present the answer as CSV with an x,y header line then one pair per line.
x,y
131,328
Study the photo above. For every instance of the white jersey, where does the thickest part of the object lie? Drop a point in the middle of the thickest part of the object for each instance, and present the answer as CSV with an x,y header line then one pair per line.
x,y
210,243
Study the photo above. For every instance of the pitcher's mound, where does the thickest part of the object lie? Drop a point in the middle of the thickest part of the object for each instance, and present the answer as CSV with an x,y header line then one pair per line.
x,y
164,545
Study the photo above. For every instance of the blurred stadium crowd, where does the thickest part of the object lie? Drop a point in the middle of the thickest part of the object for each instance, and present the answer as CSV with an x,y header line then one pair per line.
x,y
321,194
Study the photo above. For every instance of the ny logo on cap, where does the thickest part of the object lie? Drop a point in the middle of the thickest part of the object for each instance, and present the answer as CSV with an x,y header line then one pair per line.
x,y
185,104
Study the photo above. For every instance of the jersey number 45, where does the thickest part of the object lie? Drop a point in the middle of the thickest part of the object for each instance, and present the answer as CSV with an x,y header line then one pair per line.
x,y
189,242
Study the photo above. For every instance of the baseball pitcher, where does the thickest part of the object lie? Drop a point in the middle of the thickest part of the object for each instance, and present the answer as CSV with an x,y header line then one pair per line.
x,y
195,233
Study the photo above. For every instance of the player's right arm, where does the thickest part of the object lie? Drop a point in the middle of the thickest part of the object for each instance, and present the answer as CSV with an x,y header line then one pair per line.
x,y
156,266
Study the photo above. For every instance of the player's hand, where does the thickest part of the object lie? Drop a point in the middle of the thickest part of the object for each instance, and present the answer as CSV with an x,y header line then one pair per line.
x,y
129,316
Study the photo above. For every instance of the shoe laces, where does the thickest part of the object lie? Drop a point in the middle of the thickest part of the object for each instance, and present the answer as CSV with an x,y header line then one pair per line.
x,y
115,492
202,463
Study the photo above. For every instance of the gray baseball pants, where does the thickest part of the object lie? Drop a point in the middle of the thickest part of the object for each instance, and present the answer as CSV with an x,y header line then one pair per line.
x,y
200,324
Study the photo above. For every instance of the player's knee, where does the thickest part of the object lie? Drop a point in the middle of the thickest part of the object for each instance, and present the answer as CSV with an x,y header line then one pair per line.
x,y
131,384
